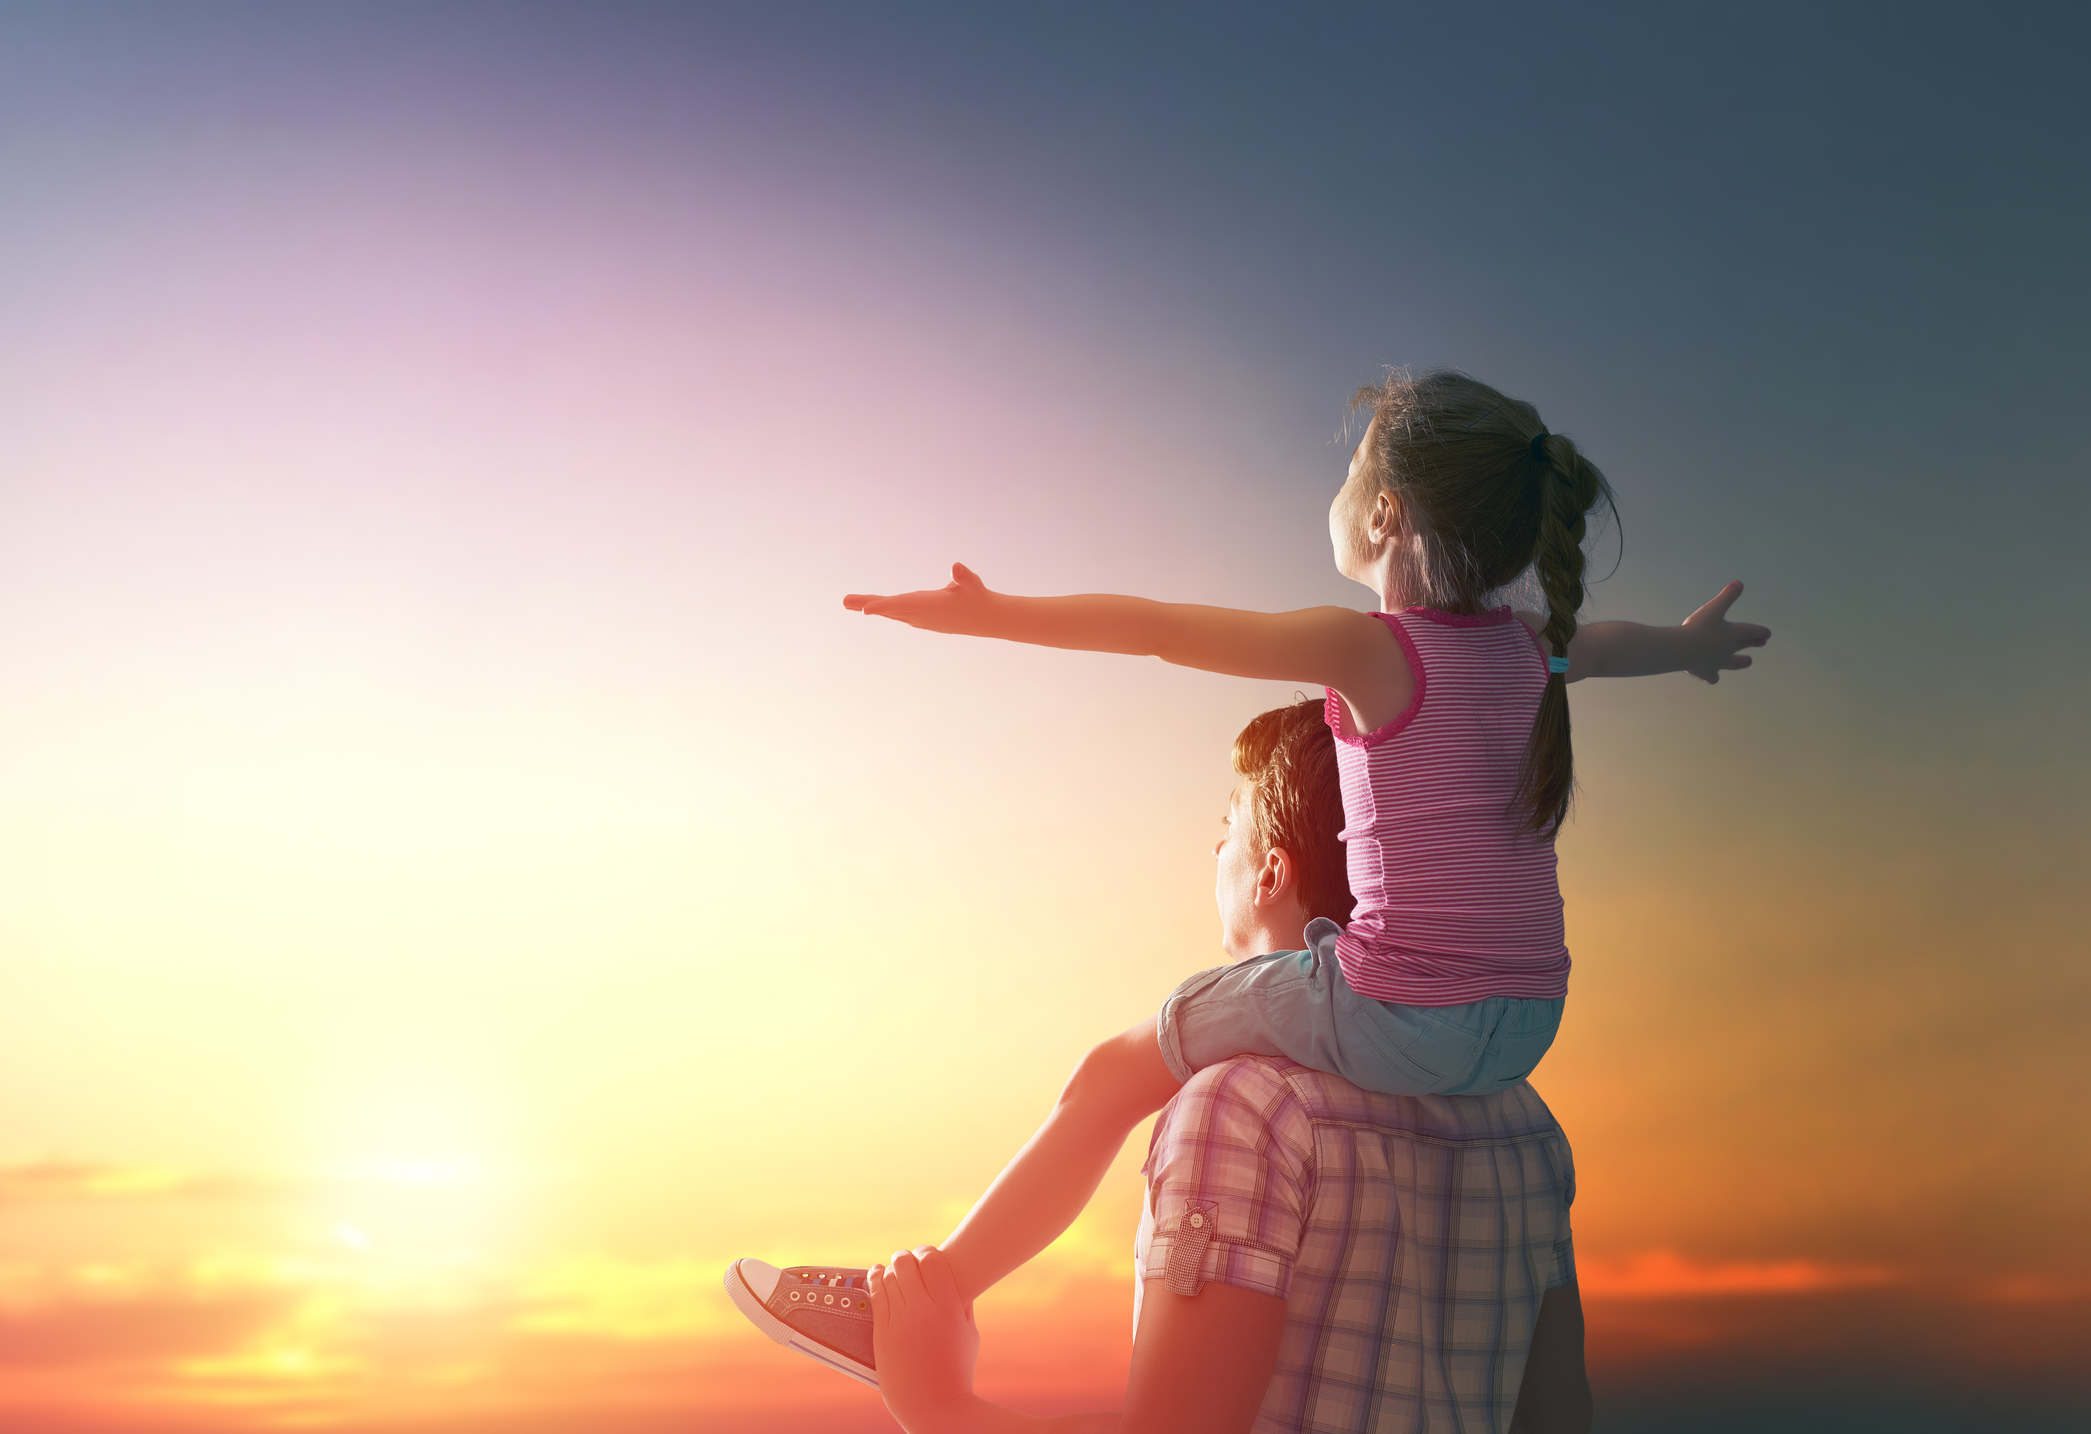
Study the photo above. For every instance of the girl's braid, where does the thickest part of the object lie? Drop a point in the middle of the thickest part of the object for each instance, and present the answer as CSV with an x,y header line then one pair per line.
x,y
1567,492
1569,486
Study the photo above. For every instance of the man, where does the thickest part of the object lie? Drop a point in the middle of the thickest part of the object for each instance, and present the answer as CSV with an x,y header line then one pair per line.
x,y
1311,1256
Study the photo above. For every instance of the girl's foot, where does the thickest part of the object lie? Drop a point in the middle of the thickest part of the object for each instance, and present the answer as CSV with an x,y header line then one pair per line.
x,y
823,1311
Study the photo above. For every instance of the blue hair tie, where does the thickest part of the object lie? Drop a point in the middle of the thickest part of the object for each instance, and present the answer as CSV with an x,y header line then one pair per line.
x,y
1557,664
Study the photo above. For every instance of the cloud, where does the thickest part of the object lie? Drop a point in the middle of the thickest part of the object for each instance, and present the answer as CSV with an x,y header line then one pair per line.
x,y
596,1341
2034,1289
31,1181
108,1314
1664,1274
604,1298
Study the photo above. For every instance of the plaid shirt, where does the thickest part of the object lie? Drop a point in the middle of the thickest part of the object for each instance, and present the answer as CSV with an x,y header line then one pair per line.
x,y
1411,1237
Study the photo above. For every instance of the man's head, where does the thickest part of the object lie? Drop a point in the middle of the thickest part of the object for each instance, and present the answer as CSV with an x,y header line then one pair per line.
x,y
1281,850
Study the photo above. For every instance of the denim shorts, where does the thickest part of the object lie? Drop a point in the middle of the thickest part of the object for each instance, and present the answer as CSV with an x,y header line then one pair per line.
x,y
1297,1004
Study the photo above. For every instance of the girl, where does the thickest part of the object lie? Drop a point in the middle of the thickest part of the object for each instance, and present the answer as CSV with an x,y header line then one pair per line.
x,y
1450,723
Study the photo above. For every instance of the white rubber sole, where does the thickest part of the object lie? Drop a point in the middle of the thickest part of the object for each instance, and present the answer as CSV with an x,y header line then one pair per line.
x,y
750,1304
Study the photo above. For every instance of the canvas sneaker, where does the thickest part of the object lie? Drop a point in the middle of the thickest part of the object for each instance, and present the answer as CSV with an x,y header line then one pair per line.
x,y
819,1310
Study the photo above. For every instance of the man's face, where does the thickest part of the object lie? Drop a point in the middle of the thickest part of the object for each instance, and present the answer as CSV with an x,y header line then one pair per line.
x,y
1239,862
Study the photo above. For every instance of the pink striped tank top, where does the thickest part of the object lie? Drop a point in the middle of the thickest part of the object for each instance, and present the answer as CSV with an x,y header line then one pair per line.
x,y
1457,900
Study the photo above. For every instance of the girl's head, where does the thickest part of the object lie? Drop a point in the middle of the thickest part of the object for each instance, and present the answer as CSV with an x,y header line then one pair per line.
x,y
1454,491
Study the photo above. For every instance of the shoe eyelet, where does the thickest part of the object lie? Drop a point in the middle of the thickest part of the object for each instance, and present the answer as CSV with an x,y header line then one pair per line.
x,y
827,1299
794,1294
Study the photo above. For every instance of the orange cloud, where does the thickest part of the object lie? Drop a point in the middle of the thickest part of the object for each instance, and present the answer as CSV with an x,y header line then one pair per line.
x,y
253,1343
1664,1274
2034,1289
104,1314
595,1341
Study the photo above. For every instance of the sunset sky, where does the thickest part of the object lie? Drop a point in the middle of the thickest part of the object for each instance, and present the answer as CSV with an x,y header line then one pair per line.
x,y
464,877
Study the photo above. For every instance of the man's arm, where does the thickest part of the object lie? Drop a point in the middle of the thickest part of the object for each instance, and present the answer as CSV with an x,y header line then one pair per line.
x,y
1200,1362
1555,1397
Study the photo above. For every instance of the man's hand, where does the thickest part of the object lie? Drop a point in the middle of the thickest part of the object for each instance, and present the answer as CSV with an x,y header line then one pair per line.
x,y
1714,643
960,606
923,1340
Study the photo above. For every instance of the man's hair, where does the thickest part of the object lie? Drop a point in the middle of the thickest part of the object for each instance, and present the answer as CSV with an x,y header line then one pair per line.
x,y
1289,797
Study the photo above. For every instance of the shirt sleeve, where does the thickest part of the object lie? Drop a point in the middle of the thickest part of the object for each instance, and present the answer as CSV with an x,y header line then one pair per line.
x,y
1228,1180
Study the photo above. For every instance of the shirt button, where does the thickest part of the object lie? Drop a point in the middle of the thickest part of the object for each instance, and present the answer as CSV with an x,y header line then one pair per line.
x,y
1197,1222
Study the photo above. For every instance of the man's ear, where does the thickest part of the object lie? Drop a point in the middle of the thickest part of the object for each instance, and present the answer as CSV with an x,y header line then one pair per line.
x,y
1276,879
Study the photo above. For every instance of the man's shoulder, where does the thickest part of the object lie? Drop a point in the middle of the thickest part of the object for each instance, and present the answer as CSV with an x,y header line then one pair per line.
x,y
1255,1080
1271,1083
1247,1104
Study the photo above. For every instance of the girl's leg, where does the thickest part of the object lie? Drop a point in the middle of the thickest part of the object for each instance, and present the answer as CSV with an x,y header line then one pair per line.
x,y
1118,1084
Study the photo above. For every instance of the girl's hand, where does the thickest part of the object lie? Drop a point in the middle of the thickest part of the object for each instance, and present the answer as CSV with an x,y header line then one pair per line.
x,y
960,606
1715,643
923,1340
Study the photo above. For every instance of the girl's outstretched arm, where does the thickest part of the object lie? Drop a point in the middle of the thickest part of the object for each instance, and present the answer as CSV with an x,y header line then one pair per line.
x,y
1705,644
1327,646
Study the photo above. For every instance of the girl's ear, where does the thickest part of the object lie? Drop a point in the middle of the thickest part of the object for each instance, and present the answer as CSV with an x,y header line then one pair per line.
x,y
1385,520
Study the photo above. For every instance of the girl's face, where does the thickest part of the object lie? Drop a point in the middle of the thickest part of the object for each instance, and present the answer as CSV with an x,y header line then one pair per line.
x,y
1348,514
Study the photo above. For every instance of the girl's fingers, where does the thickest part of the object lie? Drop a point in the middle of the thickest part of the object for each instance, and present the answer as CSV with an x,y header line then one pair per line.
x,y
937,1275
1718,607
908,1267
877,604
